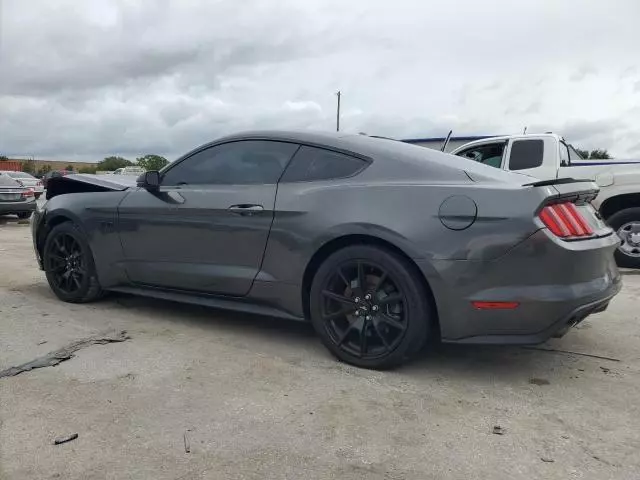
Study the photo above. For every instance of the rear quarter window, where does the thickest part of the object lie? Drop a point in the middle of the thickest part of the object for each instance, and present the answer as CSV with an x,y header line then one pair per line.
x,y
314,164
526,154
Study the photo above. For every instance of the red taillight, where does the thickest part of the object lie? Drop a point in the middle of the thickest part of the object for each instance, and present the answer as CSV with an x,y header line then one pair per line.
x,y
565,221
27,193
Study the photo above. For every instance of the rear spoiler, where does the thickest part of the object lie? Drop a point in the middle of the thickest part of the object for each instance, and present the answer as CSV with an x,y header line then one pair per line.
x,y
556,181
567,189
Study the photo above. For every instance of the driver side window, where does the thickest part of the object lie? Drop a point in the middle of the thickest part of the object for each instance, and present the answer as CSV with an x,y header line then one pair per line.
x,y
488,153
245,162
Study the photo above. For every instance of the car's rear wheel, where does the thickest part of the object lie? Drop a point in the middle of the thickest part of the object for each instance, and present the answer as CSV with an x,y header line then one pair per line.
x,y
369,307
68,264
23,215
627,224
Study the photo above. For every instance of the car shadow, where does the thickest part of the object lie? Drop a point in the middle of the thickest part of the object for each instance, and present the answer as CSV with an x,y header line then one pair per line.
x,y
210,317
485,364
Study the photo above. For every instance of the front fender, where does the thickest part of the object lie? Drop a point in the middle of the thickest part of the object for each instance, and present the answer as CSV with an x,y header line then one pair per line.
x,y
96,214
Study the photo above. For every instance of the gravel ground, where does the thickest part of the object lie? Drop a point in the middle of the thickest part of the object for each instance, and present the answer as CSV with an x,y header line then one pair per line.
x,y
258,398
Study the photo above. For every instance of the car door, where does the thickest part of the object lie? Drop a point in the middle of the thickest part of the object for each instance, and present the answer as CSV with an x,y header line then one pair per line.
x,y
206,227
534,156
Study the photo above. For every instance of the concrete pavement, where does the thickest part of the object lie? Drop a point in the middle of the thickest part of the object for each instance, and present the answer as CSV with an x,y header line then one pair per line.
x,y
260,398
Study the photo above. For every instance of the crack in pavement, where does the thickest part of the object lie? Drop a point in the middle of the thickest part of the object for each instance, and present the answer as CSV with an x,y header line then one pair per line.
x,y
55,357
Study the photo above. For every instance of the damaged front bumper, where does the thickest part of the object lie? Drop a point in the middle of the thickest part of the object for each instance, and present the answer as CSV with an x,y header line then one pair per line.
x,y
37,220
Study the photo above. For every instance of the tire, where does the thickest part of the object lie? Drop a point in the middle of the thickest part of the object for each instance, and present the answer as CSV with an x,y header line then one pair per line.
x,y
395,317
80,284
624,222
23,215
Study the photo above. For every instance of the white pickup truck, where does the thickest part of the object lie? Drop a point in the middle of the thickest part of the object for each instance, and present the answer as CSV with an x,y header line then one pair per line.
x,y
548,157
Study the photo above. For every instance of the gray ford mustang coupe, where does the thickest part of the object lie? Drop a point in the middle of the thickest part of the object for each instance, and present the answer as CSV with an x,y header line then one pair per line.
x,y
379,244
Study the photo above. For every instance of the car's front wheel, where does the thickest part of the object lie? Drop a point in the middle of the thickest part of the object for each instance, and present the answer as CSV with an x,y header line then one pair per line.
x,y
369,307
68,264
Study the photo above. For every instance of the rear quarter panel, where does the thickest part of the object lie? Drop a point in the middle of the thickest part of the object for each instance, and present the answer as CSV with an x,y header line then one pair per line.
x,y
308,215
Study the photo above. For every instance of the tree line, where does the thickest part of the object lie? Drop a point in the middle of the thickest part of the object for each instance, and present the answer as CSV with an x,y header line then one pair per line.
x,y
594,154
148,162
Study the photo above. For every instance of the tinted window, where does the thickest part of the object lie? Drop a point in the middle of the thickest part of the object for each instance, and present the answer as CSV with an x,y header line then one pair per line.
x,y
246,162
311,163
489,154
526,154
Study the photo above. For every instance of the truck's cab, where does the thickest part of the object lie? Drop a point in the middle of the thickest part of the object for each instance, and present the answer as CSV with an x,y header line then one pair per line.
x,y
542,155
548,156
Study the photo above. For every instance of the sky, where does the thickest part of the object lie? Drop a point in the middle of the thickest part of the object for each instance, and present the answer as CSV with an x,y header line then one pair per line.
x,y
81,80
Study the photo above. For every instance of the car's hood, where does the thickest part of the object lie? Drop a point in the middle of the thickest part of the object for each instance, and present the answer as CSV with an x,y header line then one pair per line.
x,y
110,182
76,183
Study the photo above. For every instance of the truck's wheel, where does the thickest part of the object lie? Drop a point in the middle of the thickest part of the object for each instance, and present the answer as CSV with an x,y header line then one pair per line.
x,y
627,224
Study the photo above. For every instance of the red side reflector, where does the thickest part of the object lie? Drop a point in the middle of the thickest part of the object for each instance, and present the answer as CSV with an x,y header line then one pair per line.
x,y
495,305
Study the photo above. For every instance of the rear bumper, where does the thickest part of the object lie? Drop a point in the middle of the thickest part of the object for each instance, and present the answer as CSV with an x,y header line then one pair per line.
x,y
555,330
17,207
555,285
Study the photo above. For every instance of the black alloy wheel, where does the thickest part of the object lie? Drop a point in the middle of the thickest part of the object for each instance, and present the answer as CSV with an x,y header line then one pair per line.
x,y
68,265
370,308
363,309
65,263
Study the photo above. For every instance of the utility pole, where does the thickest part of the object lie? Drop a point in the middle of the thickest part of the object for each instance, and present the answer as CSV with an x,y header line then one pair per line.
x,y
338,112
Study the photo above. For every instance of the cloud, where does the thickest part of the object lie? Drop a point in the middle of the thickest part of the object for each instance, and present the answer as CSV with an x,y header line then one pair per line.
x,y
630,71
583,72
90,79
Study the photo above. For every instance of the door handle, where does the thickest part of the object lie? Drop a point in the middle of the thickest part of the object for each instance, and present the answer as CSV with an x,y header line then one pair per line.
x,y
246,208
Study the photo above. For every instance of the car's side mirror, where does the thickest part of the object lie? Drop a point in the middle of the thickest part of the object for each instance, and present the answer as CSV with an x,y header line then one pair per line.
x,y
149,180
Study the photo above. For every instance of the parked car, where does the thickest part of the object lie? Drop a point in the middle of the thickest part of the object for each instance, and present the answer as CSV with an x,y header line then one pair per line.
x,y
52,174
549,157
26,180
15,198
129,171
381,245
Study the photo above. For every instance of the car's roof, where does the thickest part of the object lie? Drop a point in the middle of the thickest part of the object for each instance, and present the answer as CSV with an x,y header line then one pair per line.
x,y
16,172
329,139
523,136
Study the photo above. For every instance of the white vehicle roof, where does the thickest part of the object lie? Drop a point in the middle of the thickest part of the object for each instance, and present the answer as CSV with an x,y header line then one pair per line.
x,y
510,137
15,172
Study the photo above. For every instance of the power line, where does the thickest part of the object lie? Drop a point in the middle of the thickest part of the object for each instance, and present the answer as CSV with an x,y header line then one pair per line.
x,y
338,112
